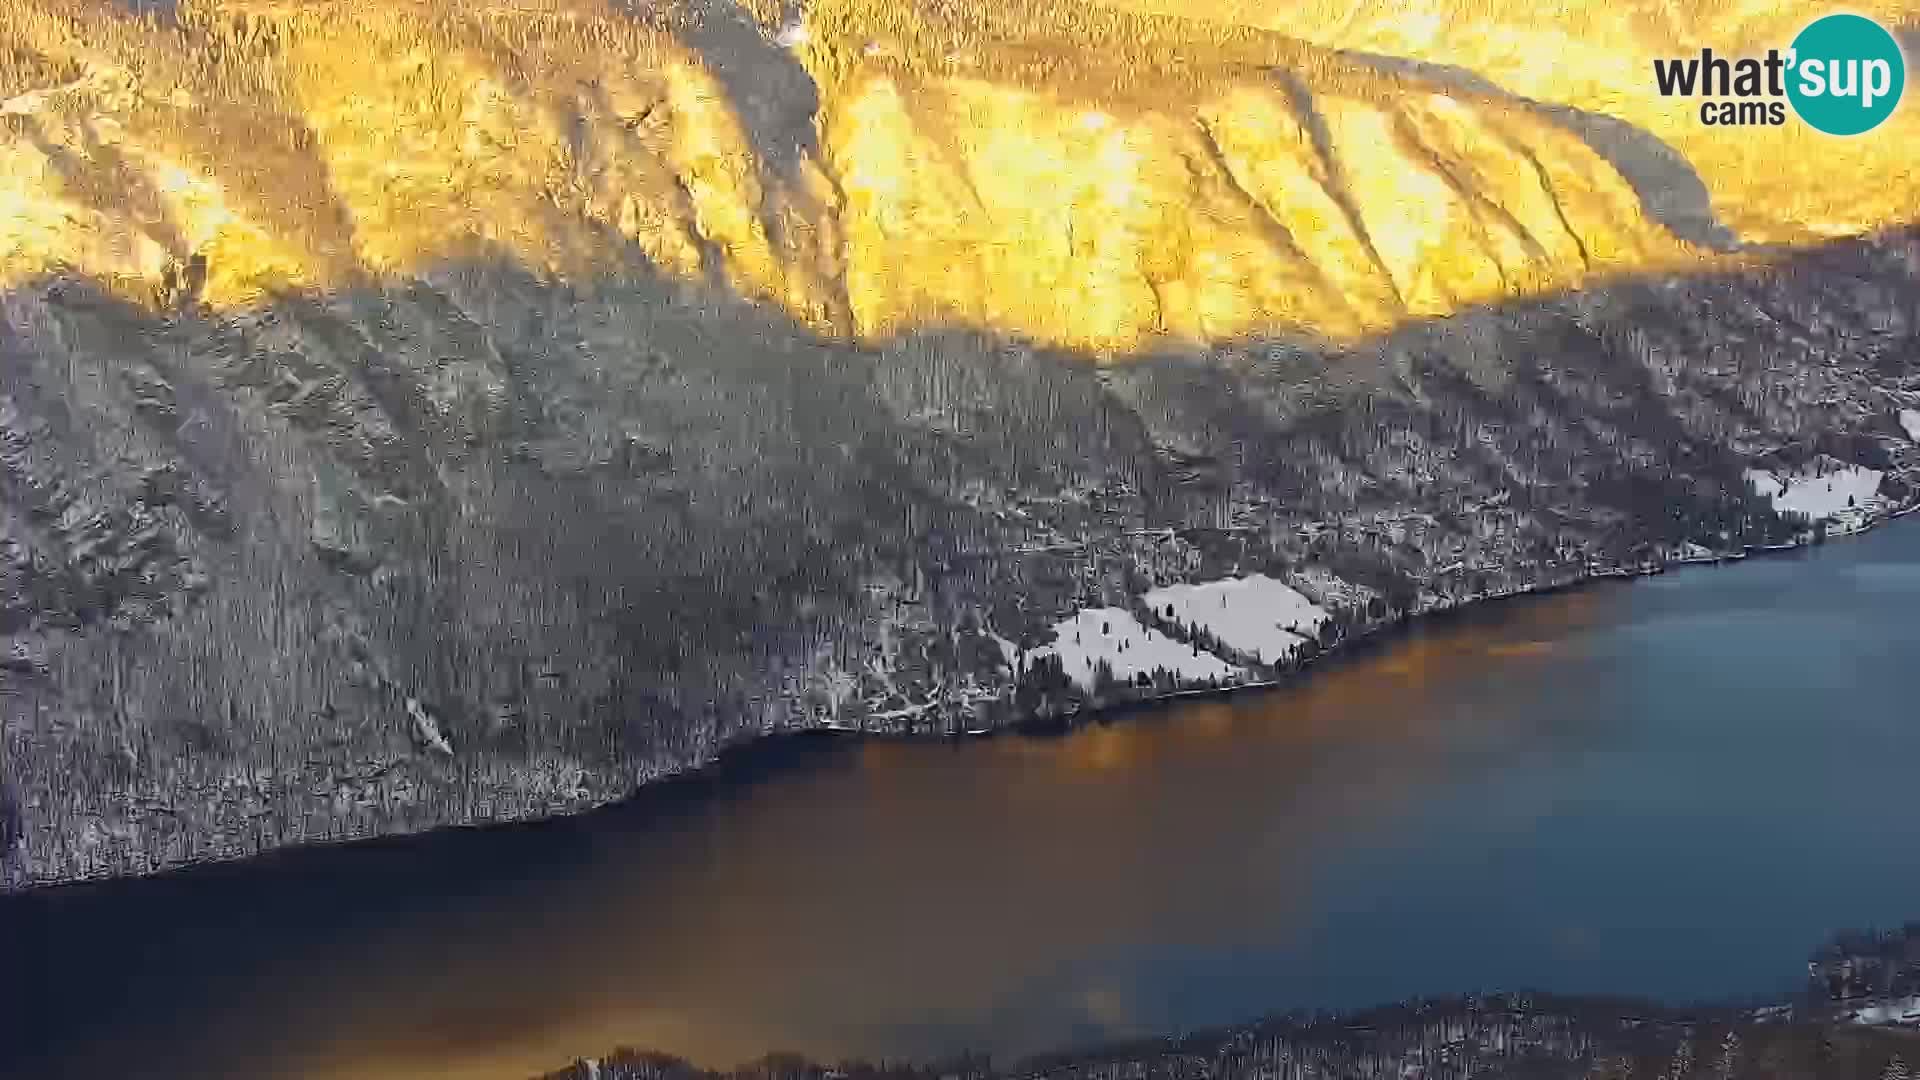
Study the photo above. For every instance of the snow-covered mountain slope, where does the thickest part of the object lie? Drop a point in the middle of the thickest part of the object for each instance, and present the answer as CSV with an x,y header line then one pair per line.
x,y
415,413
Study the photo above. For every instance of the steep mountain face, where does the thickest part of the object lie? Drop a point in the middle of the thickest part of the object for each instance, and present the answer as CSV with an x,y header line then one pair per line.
x,y
420,413
1783,185
1085,178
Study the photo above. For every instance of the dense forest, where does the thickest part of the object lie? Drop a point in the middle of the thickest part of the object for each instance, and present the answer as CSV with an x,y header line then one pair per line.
x,y
488,547
1537,1036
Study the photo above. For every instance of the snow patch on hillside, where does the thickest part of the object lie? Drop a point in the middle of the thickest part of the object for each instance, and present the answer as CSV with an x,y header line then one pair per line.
x,y
1818,497
1256,616
792,35
1114,635
1898,1011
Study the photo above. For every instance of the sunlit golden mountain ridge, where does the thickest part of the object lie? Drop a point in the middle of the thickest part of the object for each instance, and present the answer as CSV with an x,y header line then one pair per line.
x,y
1786,184
1079,175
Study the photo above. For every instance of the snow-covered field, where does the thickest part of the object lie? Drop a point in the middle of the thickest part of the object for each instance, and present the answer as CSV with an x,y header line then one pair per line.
x,y
1818,496
1256,616
1114,635
1910,419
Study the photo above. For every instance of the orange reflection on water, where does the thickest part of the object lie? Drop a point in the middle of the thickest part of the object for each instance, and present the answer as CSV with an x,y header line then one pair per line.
x,y
862,907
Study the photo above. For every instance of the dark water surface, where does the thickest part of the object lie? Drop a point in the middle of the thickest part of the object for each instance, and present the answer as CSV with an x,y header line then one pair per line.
x,y
1675,787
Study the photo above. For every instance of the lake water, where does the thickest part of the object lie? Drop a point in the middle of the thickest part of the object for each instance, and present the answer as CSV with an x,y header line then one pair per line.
x,y
1674,787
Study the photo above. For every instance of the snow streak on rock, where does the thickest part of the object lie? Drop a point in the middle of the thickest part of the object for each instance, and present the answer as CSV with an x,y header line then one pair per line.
x,y
1910,419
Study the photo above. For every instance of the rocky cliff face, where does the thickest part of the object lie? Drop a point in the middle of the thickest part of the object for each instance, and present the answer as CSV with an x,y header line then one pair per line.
x,y
420,413
1780,185
1084,177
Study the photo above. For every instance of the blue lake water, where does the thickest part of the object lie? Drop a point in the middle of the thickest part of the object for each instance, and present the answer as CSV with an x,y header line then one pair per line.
x,y
1675,787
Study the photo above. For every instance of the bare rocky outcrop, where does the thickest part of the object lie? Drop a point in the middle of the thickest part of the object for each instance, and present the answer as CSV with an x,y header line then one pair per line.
x,y
1082,177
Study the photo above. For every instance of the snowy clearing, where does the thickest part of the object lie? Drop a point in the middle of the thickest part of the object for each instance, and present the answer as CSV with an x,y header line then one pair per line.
x,y
1257,616
1818,496
1910,419
1114,635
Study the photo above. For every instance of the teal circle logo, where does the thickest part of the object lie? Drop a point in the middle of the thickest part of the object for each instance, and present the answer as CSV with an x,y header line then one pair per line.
x,y
1845,74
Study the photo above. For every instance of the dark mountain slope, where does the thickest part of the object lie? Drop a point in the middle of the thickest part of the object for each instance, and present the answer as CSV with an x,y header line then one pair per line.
x,y
481,546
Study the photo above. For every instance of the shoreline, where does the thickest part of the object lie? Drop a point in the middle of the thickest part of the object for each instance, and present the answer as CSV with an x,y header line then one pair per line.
x,y
1560,1026
744,759
1384,633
